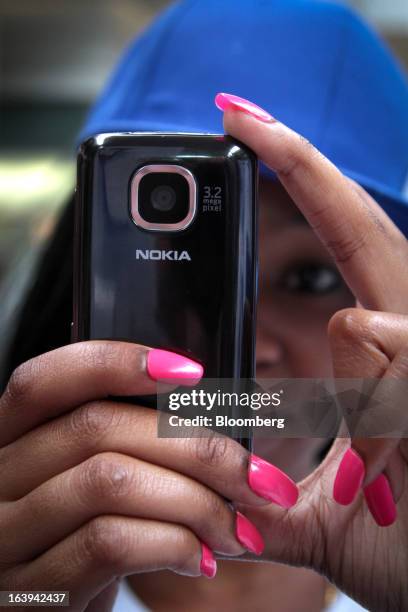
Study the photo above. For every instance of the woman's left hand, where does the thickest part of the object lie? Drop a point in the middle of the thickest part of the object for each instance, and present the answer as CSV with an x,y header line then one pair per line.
x,y
335,529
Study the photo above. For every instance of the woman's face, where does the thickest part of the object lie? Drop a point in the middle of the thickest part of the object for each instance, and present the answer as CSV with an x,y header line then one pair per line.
x,y
299,290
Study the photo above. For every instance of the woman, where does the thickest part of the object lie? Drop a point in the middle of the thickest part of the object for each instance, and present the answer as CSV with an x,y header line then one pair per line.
x,y
106,496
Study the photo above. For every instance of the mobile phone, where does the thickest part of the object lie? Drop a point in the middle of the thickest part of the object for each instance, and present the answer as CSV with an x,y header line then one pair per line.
x,y
165,246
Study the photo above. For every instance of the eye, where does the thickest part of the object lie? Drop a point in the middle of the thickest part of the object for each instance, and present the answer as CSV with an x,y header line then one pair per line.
x,y
315,278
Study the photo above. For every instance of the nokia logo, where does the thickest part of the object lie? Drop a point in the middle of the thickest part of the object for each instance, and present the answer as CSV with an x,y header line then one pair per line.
x,y
158,255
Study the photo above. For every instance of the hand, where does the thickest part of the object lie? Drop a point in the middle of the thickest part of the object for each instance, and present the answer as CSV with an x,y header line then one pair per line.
x,y
88,492
341,539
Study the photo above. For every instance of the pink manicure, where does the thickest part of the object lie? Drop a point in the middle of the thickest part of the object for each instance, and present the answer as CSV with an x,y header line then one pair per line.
x,y
224,101
272,484
380,501
248,535
349,477
165,364
208,565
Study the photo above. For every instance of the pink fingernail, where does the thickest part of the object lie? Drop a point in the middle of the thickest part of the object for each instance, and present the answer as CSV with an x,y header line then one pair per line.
x,y
349,477
165,364
208,565
272,484
224,101
248,535
380,501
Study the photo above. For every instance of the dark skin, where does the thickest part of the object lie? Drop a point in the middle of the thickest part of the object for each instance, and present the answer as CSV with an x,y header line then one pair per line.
x,y
300,289
368,341
108,498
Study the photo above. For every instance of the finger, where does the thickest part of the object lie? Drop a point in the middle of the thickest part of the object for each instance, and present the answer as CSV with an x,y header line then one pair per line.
x,y
218,462
376,346
55,382
369,249
111,483
111,546
303,535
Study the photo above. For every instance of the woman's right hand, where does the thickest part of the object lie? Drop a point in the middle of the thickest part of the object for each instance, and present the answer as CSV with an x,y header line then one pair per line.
x,y
88,492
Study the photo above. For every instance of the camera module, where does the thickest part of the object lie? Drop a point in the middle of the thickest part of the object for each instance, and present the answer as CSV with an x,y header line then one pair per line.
x,y
163,197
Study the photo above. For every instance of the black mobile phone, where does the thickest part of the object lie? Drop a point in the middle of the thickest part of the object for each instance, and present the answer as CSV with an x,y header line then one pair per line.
x,y
165,246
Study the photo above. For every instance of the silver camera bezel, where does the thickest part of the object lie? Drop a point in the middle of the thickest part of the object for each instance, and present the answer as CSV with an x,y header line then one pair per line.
x,y
134,199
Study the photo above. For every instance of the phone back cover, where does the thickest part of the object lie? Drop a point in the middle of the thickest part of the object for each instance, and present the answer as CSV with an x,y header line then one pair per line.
x,y
203,305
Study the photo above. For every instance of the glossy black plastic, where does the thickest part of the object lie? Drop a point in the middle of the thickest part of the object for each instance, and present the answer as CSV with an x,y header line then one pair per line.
x,y
204,307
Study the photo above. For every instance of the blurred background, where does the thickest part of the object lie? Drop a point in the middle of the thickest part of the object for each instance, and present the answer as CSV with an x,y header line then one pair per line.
x,y
55,56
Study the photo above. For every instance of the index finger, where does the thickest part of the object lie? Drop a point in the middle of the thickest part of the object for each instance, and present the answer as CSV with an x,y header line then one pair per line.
x,y
368,248
58,381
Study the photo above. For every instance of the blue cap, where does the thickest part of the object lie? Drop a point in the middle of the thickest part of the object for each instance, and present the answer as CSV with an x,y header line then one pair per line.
x,y
313,64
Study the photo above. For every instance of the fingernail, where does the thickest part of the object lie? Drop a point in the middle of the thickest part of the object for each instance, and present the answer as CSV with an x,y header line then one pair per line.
x,y
208,565
272,484
380,501
349,477
165,364
225,100
248,535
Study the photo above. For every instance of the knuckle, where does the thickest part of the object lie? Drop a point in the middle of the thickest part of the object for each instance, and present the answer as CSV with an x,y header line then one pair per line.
x,y
21,383
211,451
291,166
345,247
187,546
356,344
106,476
104,541
102,356
348,325
93,421
218,510
308,149
300,155
345,241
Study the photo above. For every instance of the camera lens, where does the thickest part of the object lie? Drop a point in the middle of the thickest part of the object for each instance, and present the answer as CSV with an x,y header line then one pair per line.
x,y
163,197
